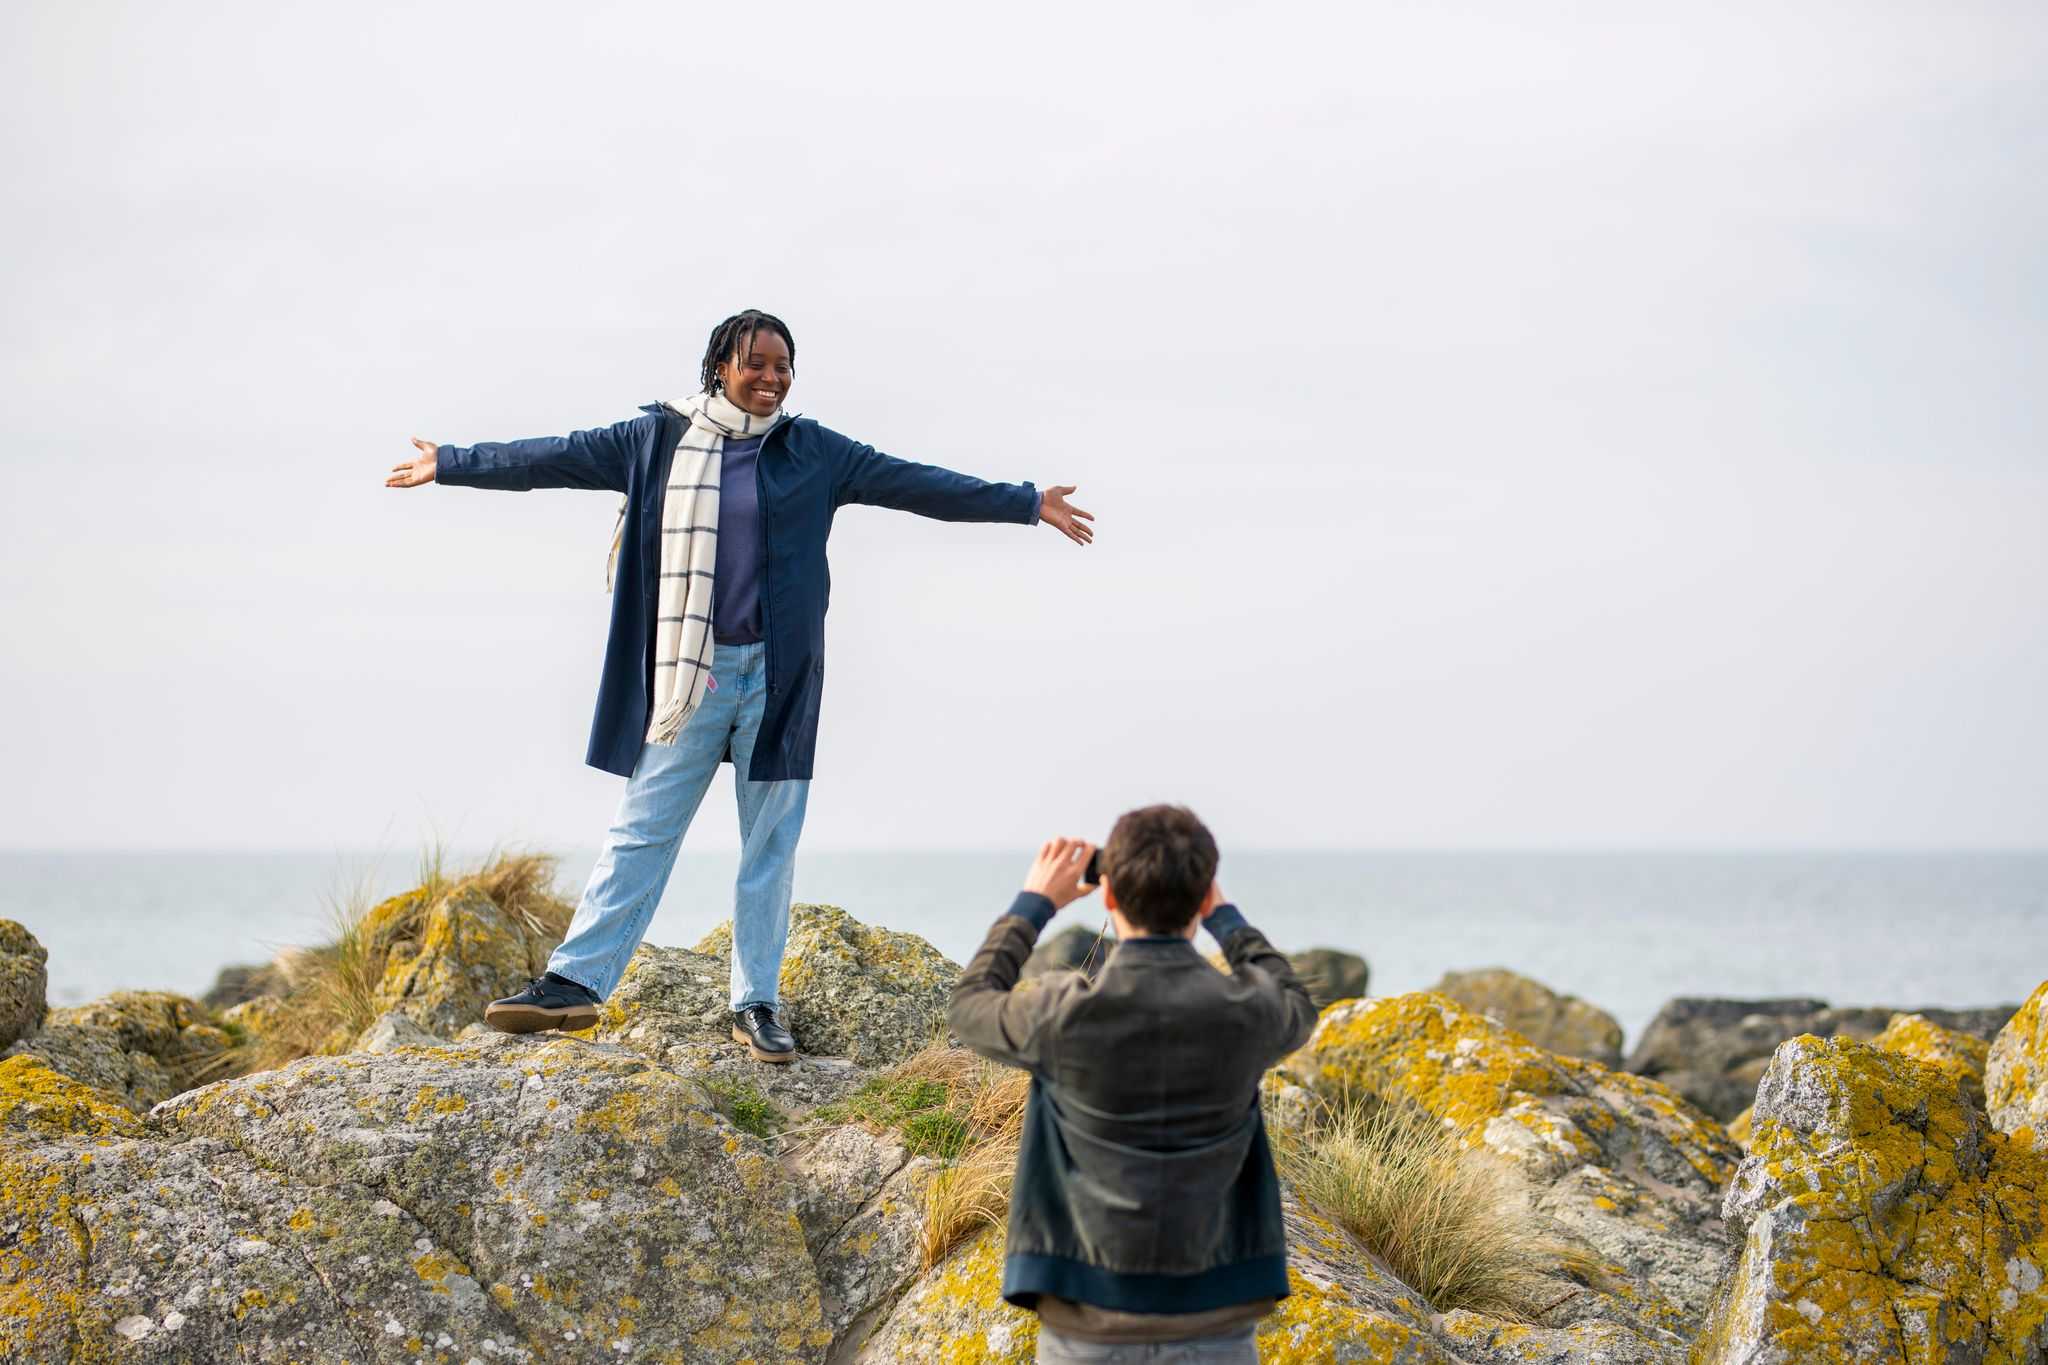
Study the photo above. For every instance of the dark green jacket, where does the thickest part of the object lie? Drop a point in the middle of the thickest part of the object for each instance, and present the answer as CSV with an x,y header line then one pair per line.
x,y
1144,1182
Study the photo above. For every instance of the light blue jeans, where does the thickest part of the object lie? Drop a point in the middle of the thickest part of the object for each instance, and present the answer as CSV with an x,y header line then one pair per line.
x,y
662,796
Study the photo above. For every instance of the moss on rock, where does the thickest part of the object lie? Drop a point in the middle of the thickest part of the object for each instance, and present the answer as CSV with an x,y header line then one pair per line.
x,y
1884,1219
2016,1070
856,990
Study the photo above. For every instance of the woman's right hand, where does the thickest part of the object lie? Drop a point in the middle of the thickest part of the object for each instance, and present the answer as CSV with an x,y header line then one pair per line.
x,y
417,471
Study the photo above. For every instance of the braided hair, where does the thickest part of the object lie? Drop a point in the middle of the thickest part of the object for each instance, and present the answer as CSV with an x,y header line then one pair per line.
x,y
733,336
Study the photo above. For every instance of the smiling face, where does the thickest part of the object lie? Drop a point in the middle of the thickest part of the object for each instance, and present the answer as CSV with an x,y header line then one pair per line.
x,y
759,379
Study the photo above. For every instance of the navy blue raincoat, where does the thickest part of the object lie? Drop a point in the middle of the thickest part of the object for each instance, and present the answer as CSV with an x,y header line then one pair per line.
x,y
806,472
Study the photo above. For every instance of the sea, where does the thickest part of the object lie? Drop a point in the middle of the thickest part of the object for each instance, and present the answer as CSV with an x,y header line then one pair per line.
x,y
1624,930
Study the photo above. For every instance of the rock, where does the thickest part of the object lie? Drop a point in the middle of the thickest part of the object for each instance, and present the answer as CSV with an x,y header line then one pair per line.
x,y
1331,974
141,1047
1344,1307
448,954
241,982
1714,1051
955,1312
1075,948
24,982
393,1031
1883,1219
2016,1070
1617,1162
511,1199
1959,1056
852,990
39,1102
867,1264
1559,1023
836,1173
672,1006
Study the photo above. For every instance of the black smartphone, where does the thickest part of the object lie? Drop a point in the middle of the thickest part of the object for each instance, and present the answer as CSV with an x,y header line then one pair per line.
x,y
1093,875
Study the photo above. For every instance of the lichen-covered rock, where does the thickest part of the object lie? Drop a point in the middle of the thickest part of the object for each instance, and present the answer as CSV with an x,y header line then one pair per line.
x,y
836,1172
672,1006
38,1102
511,1199
854,990
1713,1052
872,1258
956,1313
141,1047
1884,1220
1957,1055
446,955
1560,1023
24,982
1616,1161
2016,1070
1344,1306
1331,974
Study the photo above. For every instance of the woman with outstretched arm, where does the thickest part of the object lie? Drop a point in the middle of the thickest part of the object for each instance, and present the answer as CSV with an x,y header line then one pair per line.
x,y
717,642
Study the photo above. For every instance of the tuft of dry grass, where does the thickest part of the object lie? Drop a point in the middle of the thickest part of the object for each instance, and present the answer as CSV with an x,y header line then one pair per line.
x,y
1451,1222
334,988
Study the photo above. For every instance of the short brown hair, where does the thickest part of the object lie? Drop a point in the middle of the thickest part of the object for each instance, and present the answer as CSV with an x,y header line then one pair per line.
x,y
1160,861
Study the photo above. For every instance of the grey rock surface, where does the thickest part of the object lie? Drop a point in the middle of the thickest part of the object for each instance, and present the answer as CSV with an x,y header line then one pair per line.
x,y
511,1199
24,982
1714,1051
1560,1023
871,995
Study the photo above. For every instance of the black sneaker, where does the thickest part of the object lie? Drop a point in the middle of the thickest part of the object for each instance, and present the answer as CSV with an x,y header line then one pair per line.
x,y
549,1001
767,1040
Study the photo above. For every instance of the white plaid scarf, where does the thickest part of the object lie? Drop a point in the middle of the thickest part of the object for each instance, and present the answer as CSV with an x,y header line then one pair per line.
x,y
689,557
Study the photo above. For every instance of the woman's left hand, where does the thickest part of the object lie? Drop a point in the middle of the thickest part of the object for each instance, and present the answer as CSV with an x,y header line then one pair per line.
x,y
1054,510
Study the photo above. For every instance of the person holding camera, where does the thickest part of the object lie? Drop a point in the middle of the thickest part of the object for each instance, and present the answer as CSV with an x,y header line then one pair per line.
x,y
717,644
1145,1218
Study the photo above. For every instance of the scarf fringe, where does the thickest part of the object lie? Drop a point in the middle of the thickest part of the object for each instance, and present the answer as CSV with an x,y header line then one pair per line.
x,y
669,721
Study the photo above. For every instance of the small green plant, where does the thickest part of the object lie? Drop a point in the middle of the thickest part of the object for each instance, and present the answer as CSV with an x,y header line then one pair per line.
x,y
934,1132
749,1110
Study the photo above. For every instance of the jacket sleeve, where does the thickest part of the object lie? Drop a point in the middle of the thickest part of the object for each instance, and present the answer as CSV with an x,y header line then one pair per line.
x,y
1285,1015
596,458
879,480
990,1018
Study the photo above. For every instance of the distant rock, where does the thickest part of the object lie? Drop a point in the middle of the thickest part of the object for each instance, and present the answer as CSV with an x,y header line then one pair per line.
x,y
853,990
511,1199
1616,1161
24,982
1075,948
241,982
1713,1051
1882,1218
140,1047
2016,1071
393,1031
1331,974
1560,1023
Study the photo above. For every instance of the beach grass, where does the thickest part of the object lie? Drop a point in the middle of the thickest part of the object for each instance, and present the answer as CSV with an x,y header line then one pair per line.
x,y
1449,1220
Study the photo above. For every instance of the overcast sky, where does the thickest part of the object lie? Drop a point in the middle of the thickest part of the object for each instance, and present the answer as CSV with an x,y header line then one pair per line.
x,y
1534,425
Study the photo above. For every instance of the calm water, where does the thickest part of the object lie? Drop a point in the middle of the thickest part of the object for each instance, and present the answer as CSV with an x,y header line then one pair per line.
x,y
1624,930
